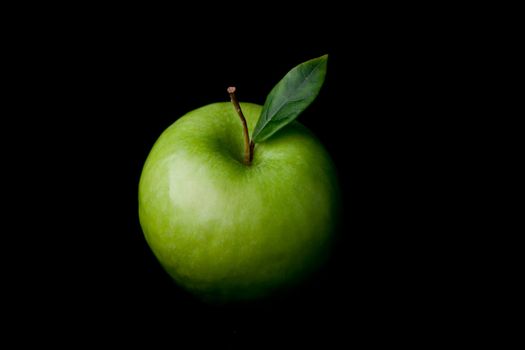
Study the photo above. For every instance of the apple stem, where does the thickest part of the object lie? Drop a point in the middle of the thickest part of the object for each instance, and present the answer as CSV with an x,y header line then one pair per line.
x,y
252,145
248,145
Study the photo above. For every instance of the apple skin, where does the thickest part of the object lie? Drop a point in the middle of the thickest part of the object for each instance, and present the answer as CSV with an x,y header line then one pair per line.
x,y
230,232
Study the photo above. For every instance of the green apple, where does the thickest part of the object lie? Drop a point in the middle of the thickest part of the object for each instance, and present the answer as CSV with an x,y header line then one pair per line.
x,y
227,227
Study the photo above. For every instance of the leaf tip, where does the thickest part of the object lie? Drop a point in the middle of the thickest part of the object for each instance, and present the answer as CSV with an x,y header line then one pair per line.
x,y
323,58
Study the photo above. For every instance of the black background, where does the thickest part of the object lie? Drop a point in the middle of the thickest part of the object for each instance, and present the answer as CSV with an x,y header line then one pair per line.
x,y
100,90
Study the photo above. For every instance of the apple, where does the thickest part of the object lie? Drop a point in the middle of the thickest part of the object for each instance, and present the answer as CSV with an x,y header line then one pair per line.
x,y
230,219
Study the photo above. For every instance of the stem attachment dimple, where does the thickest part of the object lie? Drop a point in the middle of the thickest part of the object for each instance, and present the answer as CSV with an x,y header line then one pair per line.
x,y
248,146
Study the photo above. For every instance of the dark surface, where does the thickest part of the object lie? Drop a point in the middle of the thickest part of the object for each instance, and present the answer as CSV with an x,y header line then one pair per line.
x,y
105,93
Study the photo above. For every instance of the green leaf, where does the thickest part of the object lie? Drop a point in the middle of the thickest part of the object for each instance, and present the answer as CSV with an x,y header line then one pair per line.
x,y
290,97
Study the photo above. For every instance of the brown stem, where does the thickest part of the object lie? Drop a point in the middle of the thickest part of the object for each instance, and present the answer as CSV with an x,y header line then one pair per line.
x,y
251,150
248,146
